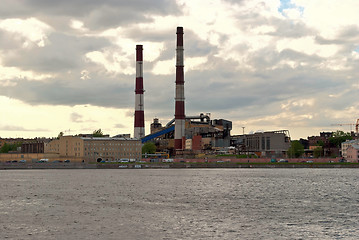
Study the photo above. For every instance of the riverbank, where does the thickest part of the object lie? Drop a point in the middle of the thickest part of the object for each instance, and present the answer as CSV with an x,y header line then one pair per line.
x,y
4,166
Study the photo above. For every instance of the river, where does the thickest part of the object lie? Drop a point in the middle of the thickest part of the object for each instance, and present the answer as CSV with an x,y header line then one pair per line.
x,y
179,204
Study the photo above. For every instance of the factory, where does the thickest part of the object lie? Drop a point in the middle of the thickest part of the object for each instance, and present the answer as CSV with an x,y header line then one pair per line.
x,y
183,135
202,135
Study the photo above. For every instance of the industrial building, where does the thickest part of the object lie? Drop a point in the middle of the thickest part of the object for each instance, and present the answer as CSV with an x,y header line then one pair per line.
x,y
95,149
201,133
263,144
184,134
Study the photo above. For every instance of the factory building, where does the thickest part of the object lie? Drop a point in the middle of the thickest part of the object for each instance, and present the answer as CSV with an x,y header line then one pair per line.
x,y
263,144
95,149
202,134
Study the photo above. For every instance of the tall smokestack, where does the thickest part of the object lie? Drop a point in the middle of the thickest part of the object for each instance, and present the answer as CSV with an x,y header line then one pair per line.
x,y
179,107
139,130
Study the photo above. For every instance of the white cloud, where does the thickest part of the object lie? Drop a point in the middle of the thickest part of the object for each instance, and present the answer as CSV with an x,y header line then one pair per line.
x,y
111,61
31,29
164,67
8,73
329,17
78,25
308,46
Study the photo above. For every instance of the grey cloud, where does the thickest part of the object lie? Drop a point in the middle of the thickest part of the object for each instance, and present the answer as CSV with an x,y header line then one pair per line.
x,y
96,14
119,125
20,128
9,41
75,117
224,87
196,47
98,91
61,53
287,28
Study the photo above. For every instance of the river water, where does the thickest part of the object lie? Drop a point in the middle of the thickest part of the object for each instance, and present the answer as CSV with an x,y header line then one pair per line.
x,y
179,204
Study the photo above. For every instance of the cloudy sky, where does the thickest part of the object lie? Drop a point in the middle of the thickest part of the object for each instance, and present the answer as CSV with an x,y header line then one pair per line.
x,y
262,64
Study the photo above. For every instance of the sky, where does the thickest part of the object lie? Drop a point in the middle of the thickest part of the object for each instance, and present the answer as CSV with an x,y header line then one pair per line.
x,y
266,65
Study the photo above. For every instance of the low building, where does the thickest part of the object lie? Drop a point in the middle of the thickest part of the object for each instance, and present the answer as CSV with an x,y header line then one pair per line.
x,y
95,149
352,153
346,145
264,144
329,149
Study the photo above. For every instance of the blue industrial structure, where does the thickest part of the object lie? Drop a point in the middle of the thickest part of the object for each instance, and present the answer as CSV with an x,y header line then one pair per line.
x,y
157,134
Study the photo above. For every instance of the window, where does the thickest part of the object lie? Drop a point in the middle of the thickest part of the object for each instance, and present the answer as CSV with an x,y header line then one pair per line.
x,y
268,143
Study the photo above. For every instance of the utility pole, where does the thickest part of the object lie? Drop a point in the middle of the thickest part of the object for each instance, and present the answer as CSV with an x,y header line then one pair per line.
x,y
244,142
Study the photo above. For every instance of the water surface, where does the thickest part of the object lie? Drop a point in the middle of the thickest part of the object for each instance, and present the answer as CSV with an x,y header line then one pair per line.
x,y
179,204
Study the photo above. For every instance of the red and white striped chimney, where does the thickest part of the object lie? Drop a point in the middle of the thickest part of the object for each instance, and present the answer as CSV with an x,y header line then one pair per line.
x,y
139,130
179,107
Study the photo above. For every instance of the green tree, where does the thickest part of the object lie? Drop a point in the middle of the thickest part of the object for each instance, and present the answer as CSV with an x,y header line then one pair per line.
x,y
5,148
339,137
148,147
97,133
8,147
61,134
320,143
296,149
318,152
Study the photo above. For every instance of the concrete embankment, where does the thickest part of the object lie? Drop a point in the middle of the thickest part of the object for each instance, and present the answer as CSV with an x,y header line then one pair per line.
x,y
4,166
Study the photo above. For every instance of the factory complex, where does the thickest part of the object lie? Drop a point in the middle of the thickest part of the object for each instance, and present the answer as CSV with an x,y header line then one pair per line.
x,y
185,136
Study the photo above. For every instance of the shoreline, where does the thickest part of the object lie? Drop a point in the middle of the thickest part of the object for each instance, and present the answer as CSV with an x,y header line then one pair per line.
x,y
24,166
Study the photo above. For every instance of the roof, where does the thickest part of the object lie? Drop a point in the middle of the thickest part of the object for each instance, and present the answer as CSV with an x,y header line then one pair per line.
x,y
108,139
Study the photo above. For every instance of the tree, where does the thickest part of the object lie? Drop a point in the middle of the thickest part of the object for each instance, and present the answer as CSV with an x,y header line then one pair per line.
x,y
97,133
61,134
318,152
339,137
320,143
148,147
7,147
296,149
